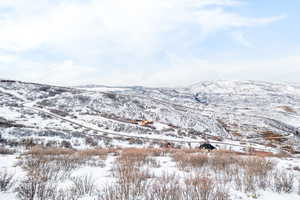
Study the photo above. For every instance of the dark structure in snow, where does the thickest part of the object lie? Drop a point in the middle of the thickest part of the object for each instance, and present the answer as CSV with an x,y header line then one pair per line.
x,y
207,146
167,145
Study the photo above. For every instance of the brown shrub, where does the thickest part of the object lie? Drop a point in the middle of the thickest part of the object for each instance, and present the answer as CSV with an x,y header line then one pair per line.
x,y
198,160
181,160
39,151
222,161
201,186
98,152
134,156
257,165
187,161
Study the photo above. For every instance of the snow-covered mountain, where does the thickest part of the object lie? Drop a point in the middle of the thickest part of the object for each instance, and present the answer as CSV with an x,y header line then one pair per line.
x,y
260,114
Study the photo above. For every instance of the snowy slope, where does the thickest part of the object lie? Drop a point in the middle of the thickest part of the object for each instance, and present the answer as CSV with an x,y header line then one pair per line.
x,y
243,113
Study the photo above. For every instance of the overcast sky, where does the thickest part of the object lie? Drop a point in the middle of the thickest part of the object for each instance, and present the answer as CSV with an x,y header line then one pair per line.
x,y
149,42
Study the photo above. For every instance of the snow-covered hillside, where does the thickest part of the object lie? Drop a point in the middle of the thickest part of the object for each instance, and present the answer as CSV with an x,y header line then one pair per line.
x,y
257,114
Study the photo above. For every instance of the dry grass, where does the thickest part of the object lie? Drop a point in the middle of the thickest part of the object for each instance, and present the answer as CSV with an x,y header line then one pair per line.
x,y
253,153
81,154
133,157
40,151
98,152
187,161
272,136
287,109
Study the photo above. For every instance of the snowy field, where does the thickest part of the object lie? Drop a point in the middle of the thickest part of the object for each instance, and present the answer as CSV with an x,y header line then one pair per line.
x,y
136,173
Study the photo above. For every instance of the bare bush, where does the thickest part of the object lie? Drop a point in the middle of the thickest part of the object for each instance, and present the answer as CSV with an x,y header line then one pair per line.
x,y
70,155
221,193
157,152
256,173
222,161
97,152
283,182
134,157
91,141
49,167
209,175
152,162
27,189
110,192
46,169
249,181
238,182
128,186
60,161
66,144
38,151
35,189
258,165
6,180
181,160
186,161
298,187
131,180
200,187
6,151
198,160
165,190
46,191
83,185
168,187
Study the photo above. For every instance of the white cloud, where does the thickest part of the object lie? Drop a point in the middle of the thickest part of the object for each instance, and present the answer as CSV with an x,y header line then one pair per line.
x,y
182,72
64,73
218,19
89,32
187,71
241,38
114,25
7,58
